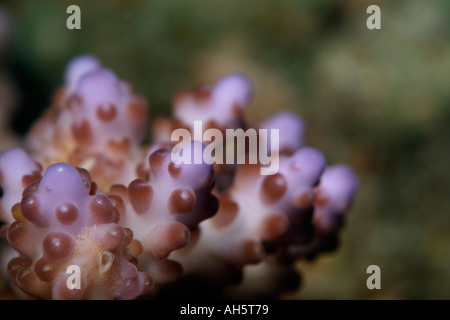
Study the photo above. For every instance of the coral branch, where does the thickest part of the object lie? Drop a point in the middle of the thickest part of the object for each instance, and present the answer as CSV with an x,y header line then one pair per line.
x,y
255,212
64,222
96,123
164,208
17,171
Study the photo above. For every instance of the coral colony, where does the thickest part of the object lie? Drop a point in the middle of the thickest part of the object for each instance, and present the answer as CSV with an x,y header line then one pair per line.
x,y
92,211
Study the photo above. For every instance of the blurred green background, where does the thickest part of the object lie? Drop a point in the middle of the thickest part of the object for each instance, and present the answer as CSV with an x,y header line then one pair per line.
x,y
378,100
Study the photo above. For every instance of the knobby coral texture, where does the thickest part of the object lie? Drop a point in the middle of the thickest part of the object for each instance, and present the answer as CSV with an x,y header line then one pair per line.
x,y
85,188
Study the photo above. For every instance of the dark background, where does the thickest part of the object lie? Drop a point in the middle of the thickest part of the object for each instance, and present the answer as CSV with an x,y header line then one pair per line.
x,y
376,99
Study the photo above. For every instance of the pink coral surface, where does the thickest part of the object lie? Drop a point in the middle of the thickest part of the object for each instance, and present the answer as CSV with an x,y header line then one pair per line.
x,y
84,190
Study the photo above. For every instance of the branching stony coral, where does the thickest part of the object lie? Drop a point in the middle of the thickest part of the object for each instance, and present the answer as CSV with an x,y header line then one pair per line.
x,y
86,191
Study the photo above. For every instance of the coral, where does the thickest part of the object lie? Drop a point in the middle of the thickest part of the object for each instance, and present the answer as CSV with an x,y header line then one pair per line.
x,y
63,221
17,171
256,211
88,191
96,122
163,209
220,106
